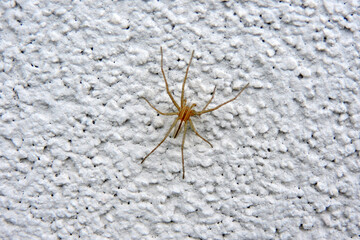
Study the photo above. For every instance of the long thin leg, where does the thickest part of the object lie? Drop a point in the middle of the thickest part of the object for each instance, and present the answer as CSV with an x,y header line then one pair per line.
x,y
193,128
207,104
166,84
213,109
177,129
171,113
182,149
183,86
166,135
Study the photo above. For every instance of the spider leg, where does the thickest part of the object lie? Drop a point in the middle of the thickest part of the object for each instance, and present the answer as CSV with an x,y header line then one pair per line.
x,y
176,132
166,84
193,128
182,149
171,113
207,104
166,135
213,109
183,86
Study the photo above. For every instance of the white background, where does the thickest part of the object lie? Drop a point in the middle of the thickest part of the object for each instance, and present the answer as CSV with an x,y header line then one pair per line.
x,y
73,128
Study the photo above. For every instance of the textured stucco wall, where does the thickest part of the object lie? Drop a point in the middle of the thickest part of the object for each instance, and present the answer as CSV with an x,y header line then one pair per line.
x,y
73,128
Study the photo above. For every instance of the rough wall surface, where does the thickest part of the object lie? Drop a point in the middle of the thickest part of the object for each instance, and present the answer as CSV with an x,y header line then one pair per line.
x,y
73,127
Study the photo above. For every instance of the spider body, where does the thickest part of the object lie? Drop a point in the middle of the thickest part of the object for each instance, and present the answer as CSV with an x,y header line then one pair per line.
x,y
185,112
184,115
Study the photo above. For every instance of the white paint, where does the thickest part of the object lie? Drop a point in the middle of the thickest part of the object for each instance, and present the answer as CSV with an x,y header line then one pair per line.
x,y
73,128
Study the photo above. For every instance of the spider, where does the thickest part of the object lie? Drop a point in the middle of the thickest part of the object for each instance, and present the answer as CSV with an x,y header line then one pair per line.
x,y
185,112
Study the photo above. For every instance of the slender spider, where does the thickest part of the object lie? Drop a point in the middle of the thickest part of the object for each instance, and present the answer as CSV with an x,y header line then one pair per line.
x,y
185,112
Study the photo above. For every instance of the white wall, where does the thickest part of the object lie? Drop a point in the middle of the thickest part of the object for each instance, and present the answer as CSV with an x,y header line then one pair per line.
x,y
73,128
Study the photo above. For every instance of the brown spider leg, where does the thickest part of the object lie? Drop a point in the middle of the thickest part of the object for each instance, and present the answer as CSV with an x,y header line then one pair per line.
x,y
193,128
177,129
207,104
183,86
182,149
213,109
166,135
171,113
166,84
